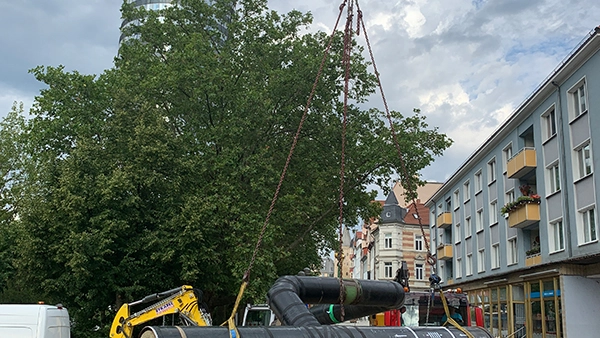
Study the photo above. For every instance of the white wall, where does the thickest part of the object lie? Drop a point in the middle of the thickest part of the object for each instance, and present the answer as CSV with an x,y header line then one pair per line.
x,y
581,301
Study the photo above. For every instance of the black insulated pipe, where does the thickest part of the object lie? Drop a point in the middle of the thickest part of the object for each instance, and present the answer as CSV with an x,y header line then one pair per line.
x,y
339,331
332,314
290,294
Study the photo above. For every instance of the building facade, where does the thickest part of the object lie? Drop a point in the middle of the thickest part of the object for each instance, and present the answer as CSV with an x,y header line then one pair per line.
x,y
347,252
157,5
149,5
366,247
398,238
516,225
327,267
356,258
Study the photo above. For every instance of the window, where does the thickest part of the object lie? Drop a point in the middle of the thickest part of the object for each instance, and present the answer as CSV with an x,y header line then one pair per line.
x,y
584,161
469,264
419,271
478,182
494,212
588,226
455,199
512,251
492,171
457,234
387,269
553,178
458,271
579,100
388,241
466,191
495,256
468,227
510,196
557,241
507,154
479,220
419,243
549,123
481,260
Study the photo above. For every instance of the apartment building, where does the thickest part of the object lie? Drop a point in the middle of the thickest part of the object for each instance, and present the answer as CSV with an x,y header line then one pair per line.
x,y
356,258
405,229
516,225
348,254
396,237
327,268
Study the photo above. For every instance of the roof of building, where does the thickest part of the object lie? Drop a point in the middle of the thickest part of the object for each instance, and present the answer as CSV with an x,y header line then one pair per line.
x,y
392,212
414,213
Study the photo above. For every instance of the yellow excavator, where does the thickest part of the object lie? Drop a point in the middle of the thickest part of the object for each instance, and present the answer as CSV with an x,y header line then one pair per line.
x,y
184,301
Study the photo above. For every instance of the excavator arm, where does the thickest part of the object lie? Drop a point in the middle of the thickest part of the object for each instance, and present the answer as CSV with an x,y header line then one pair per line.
x,y
183,301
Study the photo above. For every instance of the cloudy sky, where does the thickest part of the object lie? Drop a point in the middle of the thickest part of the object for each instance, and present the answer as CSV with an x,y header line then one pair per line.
x,y
467,64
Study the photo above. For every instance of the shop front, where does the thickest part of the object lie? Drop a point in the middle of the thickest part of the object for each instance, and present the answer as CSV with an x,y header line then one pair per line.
x,y
528,309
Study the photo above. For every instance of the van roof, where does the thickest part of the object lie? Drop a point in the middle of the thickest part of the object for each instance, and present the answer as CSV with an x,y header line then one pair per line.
x,y
28,309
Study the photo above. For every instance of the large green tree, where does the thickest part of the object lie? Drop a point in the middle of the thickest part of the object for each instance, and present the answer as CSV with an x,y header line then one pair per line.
x,y
160,171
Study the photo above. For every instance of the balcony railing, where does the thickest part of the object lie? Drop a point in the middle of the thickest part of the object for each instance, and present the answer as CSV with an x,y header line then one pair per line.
x,y
444,251
533,260
524,215
444,220
521,164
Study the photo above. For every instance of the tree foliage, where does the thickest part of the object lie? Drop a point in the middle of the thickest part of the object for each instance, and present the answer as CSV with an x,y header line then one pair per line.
x,y
160,171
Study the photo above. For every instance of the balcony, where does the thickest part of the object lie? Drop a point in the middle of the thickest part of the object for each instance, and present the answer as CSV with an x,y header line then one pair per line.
x,y
521,164
444,252
532,260
444,220
524,215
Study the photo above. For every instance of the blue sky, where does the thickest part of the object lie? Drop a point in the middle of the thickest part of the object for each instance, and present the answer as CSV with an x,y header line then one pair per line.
x,y
466,64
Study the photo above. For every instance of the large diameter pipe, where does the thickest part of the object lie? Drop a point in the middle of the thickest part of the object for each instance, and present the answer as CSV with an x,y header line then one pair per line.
x,y
290,294
339,331
332,313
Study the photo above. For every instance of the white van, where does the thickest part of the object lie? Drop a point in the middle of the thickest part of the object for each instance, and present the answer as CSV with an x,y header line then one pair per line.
x,y
34,321
258,315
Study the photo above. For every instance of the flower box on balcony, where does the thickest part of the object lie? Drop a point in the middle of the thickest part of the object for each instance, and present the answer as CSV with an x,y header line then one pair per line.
x,y
524,215
532,260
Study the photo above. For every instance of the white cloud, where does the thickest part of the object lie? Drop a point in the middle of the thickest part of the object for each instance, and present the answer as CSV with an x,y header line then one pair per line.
x,y
9,96
466,64
414,20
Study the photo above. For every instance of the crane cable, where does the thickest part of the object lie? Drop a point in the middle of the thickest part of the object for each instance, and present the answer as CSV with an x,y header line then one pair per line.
x,y
346,55
431,260
407,181
233,331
